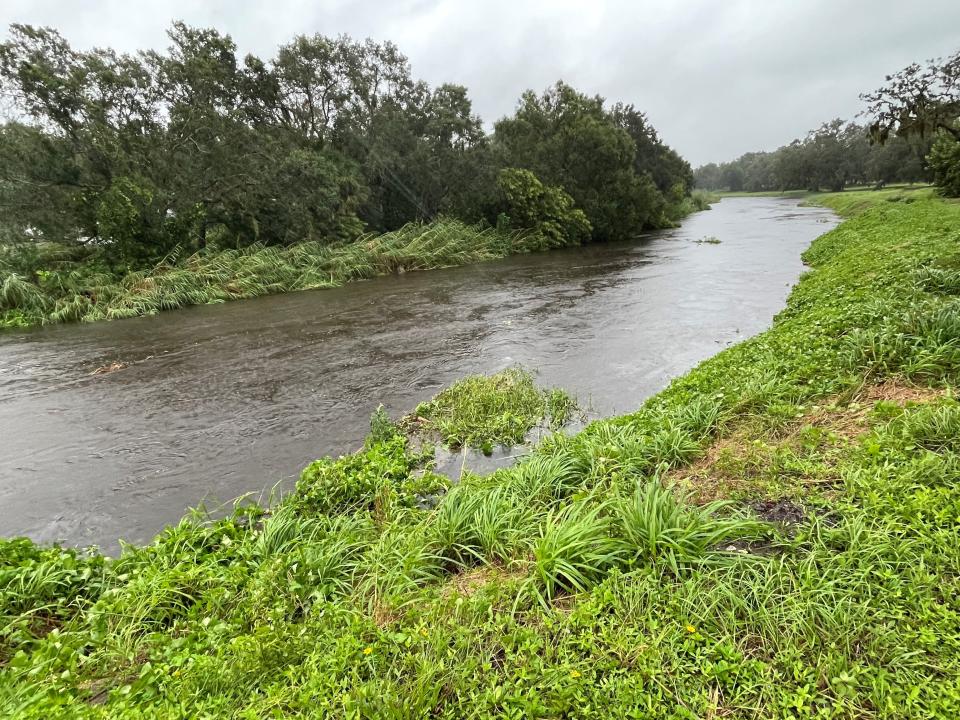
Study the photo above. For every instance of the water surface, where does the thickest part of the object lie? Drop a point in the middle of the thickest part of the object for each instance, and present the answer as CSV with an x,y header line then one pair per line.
x,y
220,400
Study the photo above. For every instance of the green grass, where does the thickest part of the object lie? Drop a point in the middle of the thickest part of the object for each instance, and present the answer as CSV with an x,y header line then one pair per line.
x,y
763,193
74,292
632,570
849,202
854,201
483,411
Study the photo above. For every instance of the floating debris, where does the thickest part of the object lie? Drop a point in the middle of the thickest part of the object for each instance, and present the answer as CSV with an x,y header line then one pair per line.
x,y
111,367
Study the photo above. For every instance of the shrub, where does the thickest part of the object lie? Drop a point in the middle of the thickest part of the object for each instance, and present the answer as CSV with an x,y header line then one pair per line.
x,y
548,210
944,161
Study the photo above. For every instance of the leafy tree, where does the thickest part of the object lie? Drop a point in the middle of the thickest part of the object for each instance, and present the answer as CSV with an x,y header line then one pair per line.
x,y
944,160
133,155
922,100
569,140
733,178
131,224
663,164
918,100
831,157
549,210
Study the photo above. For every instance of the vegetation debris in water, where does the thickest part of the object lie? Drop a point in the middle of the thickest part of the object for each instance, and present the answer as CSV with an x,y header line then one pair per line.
x,y
483,411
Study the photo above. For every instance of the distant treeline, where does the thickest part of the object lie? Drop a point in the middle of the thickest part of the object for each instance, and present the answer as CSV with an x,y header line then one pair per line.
x,y
140,155
913,134
832,157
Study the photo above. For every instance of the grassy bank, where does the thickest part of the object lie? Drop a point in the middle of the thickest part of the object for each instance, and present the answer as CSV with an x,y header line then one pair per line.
x,y
863,197
55,285
76,291
773,536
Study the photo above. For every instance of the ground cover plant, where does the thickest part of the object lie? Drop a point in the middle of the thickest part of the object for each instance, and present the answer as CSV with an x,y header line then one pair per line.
x,y
772,536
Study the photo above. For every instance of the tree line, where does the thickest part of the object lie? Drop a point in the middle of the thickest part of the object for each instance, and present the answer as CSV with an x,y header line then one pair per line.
x,y
912,135
138,155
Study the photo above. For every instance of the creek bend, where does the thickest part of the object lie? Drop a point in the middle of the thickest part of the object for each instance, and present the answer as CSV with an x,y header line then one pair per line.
x,y
215,401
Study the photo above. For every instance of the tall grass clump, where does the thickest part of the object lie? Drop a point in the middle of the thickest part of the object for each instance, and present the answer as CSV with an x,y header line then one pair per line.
x,y
658,527
484,410
573,552
213,276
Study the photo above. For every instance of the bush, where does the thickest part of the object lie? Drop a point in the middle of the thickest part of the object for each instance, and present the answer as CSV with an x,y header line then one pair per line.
x,y
482,411
944,160
548,210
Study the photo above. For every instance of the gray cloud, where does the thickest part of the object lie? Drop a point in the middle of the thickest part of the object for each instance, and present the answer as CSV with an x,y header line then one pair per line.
x,y
716,78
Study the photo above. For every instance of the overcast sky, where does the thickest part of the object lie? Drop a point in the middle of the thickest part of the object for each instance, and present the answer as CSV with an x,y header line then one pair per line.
x,y
717,78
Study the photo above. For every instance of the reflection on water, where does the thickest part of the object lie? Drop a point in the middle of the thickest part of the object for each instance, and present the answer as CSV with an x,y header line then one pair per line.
x,y
221,400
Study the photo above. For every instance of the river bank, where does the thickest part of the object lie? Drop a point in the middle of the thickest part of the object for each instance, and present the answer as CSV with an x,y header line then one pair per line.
x,y
774,535
61,290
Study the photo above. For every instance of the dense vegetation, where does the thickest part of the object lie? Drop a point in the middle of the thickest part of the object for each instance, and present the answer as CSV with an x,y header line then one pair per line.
x,y
74,292
115,164
772,536
913,135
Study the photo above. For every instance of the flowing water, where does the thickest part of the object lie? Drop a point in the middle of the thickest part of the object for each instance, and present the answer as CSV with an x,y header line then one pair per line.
x,y
216,401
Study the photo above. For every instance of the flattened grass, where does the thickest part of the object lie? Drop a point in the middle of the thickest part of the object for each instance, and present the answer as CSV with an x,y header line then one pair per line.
x,y
80,295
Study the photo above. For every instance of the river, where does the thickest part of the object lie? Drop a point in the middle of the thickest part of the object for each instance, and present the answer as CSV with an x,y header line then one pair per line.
x,y
215,401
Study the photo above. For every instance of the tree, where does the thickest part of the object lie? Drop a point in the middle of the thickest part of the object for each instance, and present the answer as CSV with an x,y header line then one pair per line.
x,y
707,177
669,171
568,140
733,178
549,210
918,100
923,101
944,161
193,145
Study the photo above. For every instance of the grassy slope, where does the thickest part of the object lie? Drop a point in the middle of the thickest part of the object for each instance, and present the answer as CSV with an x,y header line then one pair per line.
x,y
867,195
574,585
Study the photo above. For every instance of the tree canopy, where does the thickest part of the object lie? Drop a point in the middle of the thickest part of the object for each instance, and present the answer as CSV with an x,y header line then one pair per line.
x,y
139,154
833,156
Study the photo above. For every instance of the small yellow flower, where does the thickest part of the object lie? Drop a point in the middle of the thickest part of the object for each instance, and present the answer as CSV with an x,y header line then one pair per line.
x,y
423,631
574,674
367,650
691,629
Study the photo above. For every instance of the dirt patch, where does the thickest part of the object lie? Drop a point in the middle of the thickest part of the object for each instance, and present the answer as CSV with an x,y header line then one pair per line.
x,y
724,469
384,615
469,582
736,464
779,511
900,393
851,419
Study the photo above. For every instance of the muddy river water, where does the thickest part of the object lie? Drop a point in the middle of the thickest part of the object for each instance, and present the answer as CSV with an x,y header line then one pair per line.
x,y
216,401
